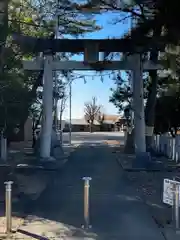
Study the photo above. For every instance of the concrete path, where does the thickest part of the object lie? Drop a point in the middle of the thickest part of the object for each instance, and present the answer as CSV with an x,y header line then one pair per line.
x,y
116,212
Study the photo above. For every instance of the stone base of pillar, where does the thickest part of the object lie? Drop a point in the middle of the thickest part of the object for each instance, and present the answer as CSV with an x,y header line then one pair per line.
x,y
56,149
129,143
142,160
145,162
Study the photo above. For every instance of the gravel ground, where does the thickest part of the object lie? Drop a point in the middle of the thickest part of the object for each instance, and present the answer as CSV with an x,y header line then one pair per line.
x,y
149,186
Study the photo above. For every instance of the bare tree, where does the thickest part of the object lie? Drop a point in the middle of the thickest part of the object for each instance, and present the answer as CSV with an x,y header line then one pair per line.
x,y
91,112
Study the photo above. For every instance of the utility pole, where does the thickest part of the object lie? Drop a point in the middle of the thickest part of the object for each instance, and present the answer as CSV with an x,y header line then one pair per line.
x,y
70,110
56,77
131,80
55,105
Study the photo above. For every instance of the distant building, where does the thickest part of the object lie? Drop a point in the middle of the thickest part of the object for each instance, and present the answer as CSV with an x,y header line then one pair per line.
x,y
80,125
110,123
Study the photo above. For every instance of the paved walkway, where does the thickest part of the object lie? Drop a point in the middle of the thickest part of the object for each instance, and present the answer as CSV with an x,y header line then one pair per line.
x,y
116,213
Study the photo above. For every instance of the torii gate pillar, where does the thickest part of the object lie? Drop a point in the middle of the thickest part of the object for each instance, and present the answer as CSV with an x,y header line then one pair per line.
x,y
138,105
46,128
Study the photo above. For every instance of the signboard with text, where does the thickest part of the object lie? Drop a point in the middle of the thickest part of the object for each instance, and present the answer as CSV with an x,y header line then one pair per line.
x,y
168,191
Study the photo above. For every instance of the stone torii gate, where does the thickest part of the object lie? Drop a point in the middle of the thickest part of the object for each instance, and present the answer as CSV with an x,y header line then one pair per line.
x,y
90,49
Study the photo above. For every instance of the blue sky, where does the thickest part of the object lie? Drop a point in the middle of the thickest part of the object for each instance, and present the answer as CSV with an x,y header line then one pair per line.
x,y
83,92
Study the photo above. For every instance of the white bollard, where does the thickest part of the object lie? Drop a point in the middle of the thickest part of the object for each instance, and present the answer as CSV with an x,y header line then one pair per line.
x,y
157,143
86,202
174,149
8,186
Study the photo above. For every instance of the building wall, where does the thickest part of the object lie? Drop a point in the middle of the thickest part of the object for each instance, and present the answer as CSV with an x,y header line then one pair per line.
x,y
81,128
85,128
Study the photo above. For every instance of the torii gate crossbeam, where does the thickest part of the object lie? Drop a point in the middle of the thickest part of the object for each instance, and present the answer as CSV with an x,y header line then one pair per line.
x,y
82,66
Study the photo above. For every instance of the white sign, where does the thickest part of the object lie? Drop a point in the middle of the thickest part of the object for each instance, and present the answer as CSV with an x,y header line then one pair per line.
x,y
168,191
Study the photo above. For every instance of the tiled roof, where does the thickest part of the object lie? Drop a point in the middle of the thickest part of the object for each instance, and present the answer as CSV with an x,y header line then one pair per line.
x,y
111,118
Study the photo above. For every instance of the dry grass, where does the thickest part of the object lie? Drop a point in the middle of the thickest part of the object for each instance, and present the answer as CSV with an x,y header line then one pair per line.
x,y
149,186
16,222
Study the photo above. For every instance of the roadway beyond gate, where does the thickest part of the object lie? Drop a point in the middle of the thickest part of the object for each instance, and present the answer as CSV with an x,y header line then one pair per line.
x,y
95,138
115,211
